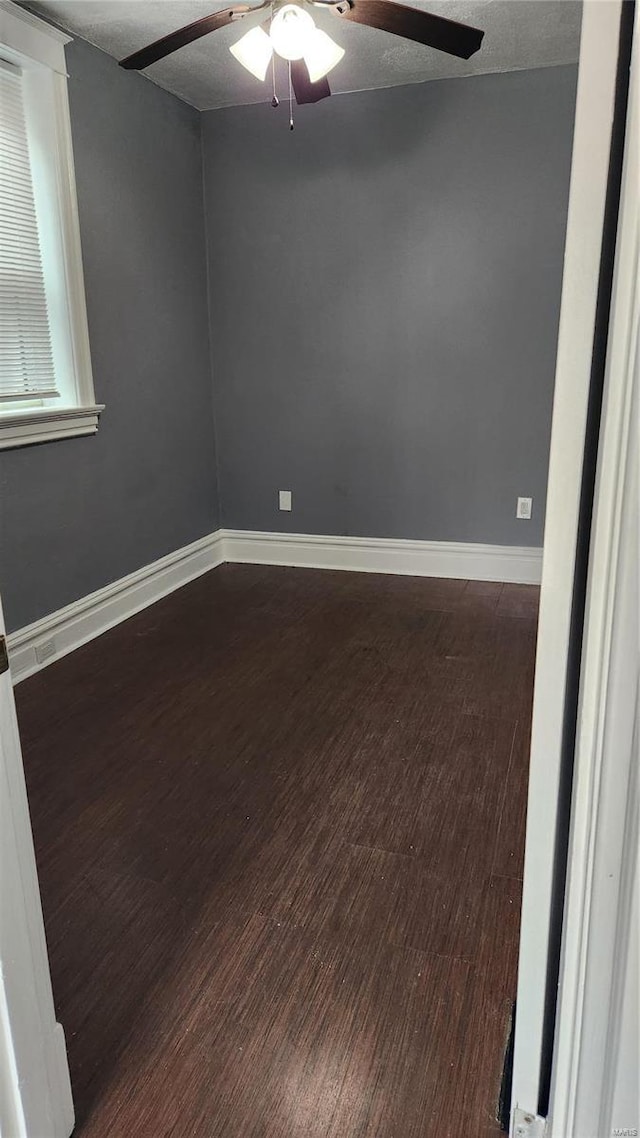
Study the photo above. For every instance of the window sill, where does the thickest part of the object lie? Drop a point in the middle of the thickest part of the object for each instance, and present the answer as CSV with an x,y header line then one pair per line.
x,y
22,428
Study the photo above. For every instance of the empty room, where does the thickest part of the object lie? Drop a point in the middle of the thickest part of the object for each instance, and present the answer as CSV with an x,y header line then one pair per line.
x,y
294,437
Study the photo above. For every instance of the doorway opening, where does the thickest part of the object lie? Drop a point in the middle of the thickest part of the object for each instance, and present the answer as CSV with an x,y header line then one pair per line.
x,y
279,814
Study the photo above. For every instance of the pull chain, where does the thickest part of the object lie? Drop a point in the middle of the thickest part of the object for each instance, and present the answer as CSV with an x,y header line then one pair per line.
x,y
290,100
275,102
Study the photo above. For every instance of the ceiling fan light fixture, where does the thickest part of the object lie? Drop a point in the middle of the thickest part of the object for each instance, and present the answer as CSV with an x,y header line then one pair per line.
x,y
254,52
321,55
292,32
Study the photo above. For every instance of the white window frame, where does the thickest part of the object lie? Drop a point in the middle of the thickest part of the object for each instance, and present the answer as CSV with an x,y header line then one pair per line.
x,y
38,50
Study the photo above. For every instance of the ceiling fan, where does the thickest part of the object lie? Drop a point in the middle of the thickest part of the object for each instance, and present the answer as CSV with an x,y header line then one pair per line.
x,y
299,33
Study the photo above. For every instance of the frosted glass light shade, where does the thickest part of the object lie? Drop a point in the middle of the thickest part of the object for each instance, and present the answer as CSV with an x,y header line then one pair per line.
x,y
292,31
321,55
254,52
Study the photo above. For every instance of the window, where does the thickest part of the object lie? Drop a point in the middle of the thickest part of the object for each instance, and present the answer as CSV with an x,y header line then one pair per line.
x,y
46,386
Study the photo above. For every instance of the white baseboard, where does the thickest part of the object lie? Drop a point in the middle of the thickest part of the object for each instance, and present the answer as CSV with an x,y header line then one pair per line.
x,y
518,564
68,628
88,617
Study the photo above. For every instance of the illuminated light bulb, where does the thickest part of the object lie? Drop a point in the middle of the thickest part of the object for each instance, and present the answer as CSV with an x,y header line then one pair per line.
x,y
254,52
321,55
292,32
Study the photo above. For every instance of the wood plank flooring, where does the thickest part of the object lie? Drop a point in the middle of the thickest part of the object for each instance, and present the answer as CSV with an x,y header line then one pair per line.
x,y
279,824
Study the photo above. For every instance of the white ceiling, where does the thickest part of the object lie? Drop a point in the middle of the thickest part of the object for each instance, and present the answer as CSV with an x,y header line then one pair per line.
x,y
519,34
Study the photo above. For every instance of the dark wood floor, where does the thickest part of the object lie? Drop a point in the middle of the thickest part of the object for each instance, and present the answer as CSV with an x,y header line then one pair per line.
x,y
279,821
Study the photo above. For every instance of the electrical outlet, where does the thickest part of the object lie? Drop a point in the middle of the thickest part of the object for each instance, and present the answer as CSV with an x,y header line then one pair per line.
x,y
523,509
44,651
284,499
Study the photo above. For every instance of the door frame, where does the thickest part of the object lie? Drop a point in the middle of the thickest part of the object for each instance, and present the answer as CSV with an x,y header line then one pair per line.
x,y
41,1102
35,1089
595,1065
562,661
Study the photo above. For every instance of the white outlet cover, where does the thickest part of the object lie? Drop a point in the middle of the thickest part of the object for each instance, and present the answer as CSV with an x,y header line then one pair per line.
x,y
284,499
523,508
44,650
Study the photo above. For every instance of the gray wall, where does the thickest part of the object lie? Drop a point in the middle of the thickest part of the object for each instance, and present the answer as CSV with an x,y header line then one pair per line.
x,y
383,307
384,294
78,514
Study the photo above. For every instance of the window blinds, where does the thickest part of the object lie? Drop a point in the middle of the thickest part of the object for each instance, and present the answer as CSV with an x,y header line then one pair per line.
x,y
26,360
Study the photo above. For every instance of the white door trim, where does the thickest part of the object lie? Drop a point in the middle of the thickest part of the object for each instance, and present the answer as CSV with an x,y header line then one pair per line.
x,y
589,175
590,1060
35,1088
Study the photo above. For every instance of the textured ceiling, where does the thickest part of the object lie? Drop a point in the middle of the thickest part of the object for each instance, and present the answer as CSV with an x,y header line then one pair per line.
x,y
518,34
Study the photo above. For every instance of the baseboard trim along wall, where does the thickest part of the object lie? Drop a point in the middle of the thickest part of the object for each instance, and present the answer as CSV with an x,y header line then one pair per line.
x,y
387,555
46,640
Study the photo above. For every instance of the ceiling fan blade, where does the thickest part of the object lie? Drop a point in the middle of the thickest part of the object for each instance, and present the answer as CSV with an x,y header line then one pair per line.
x,y
175,40
413,24
305,91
